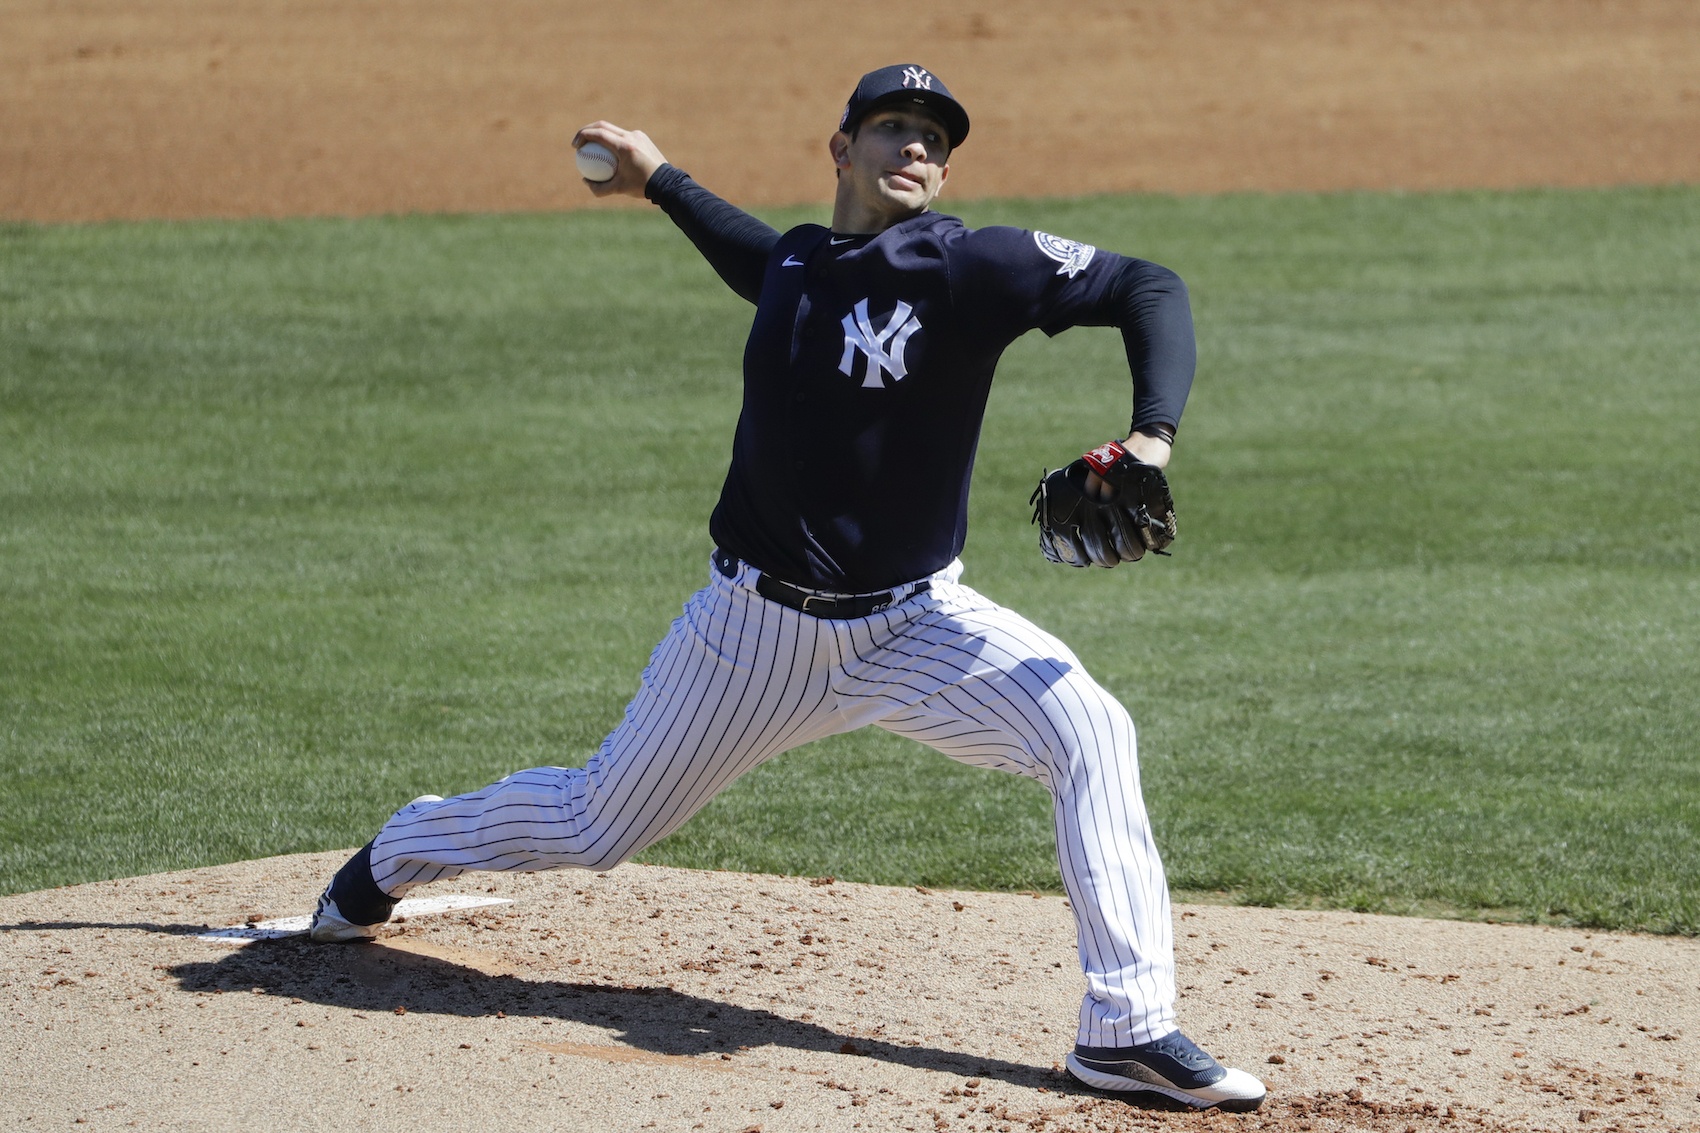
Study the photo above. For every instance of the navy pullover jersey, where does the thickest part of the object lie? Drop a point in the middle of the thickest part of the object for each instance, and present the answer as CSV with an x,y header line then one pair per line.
x,y
866,375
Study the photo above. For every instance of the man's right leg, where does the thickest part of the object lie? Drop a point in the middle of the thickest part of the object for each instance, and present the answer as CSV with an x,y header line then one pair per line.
x,y
737,680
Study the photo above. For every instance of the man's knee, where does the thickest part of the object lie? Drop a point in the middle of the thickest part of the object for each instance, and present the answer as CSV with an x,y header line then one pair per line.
x,y
1086,726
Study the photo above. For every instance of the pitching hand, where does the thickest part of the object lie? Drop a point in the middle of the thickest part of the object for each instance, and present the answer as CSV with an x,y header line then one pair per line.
x,y
636,156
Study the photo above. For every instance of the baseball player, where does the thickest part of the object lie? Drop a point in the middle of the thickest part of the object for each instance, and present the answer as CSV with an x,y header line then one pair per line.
x,y
834,595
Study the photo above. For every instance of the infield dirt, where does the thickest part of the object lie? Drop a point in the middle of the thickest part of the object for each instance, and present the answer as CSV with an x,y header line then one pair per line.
x,y
653,998
179,108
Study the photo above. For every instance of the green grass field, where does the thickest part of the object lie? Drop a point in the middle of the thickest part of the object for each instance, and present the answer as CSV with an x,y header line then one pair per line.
x,y
301,519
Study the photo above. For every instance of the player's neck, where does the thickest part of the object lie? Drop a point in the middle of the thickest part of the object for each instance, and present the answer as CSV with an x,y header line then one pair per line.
x,y
852,216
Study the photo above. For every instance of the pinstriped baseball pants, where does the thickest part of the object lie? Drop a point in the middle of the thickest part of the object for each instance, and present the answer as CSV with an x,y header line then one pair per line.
x,y
739,679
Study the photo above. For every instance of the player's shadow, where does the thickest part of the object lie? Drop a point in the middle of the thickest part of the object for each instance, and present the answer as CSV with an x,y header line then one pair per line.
x,y
137,926
659,1019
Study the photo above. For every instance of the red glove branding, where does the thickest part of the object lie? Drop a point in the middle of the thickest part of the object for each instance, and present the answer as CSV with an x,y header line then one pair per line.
x,y
1105,456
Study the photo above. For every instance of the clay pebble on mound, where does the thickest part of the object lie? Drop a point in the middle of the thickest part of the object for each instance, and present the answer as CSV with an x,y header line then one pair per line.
x,y
673,999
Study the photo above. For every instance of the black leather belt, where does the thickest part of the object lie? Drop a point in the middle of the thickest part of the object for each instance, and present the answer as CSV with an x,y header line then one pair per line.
x,y
814,603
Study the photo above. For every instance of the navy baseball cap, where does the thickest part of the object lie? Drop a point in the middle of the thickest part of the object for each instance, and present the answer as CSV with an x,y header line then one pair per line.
x,y
905,82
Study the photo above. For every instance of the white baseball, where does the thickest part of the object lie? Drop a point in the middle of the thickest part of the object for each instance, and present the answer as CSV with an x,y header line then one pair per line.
x,y
595,161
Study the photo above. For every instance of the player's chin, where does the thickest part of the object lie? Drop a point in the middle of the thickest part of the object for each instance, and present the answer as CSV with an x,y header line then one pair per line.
x,y
905,195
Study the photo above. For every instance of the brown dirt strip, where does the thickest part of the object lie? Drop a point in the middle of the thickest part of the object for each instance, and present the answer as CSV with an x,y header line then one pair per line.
x,y
677,1000
184,108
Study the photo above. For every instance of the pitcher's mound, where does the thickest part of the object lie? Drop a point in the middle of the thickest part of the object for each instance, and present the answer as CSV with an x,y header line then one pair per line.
x,y
677,1000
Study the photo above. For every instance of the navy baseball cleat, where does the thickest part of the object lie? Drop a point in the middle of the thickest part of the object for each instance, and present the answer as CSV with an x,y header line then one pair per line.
x,y
352,906
1172,1066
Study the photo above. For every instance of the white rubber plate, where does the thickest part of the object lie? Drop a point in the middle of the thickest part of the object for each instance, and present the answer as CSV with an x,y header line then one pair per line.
x,y
296,926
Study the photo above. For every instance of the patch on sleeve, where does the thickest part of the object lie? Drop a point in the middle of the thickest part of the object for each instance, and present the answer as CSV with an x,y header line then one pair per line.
x,y
1071,254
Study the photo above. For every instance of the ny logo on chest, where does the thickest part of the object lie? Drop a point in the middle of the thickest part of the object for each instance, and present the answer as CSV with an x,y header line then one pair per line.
x,y
883,348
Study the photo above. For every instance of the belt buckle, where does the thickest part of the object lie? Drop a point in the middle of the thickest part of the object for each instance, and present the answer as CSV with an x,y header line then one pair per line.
x,y
829,603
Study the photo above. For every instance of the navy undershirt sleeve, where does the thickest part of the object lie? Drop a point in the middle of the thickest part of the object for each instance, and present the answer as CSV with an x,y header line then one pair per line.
x,y
1150,305
1010,280
734,243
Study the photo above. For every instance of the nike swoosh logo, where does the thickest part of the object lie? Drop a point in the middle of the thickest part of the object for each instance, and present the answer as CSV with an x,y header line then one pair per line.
x,y
791,262
835,241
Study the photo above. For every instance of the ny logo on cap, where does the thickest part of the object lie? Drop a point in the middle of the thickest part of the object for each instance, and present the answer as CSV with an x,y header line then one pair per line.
x,y
859,334
917,77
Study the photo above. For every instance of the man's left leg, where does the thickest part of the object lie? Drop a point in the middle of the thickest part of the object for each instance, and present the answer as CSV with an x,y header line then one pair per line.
x,y
993,690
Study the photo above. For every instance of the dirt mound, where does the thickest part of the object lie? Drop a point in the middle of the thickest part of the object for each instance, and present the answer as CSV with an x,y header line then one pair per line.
x,y
180,108
671,999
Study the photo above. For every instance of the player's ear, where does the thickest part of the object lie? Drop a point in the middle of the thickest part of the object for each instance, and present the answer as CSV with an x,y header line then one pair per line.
x,y
839,146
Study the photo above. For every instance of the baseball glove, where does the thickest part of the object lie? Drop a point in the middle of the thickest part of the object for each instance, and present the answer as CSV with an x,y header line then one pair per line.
x,y
1079,530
